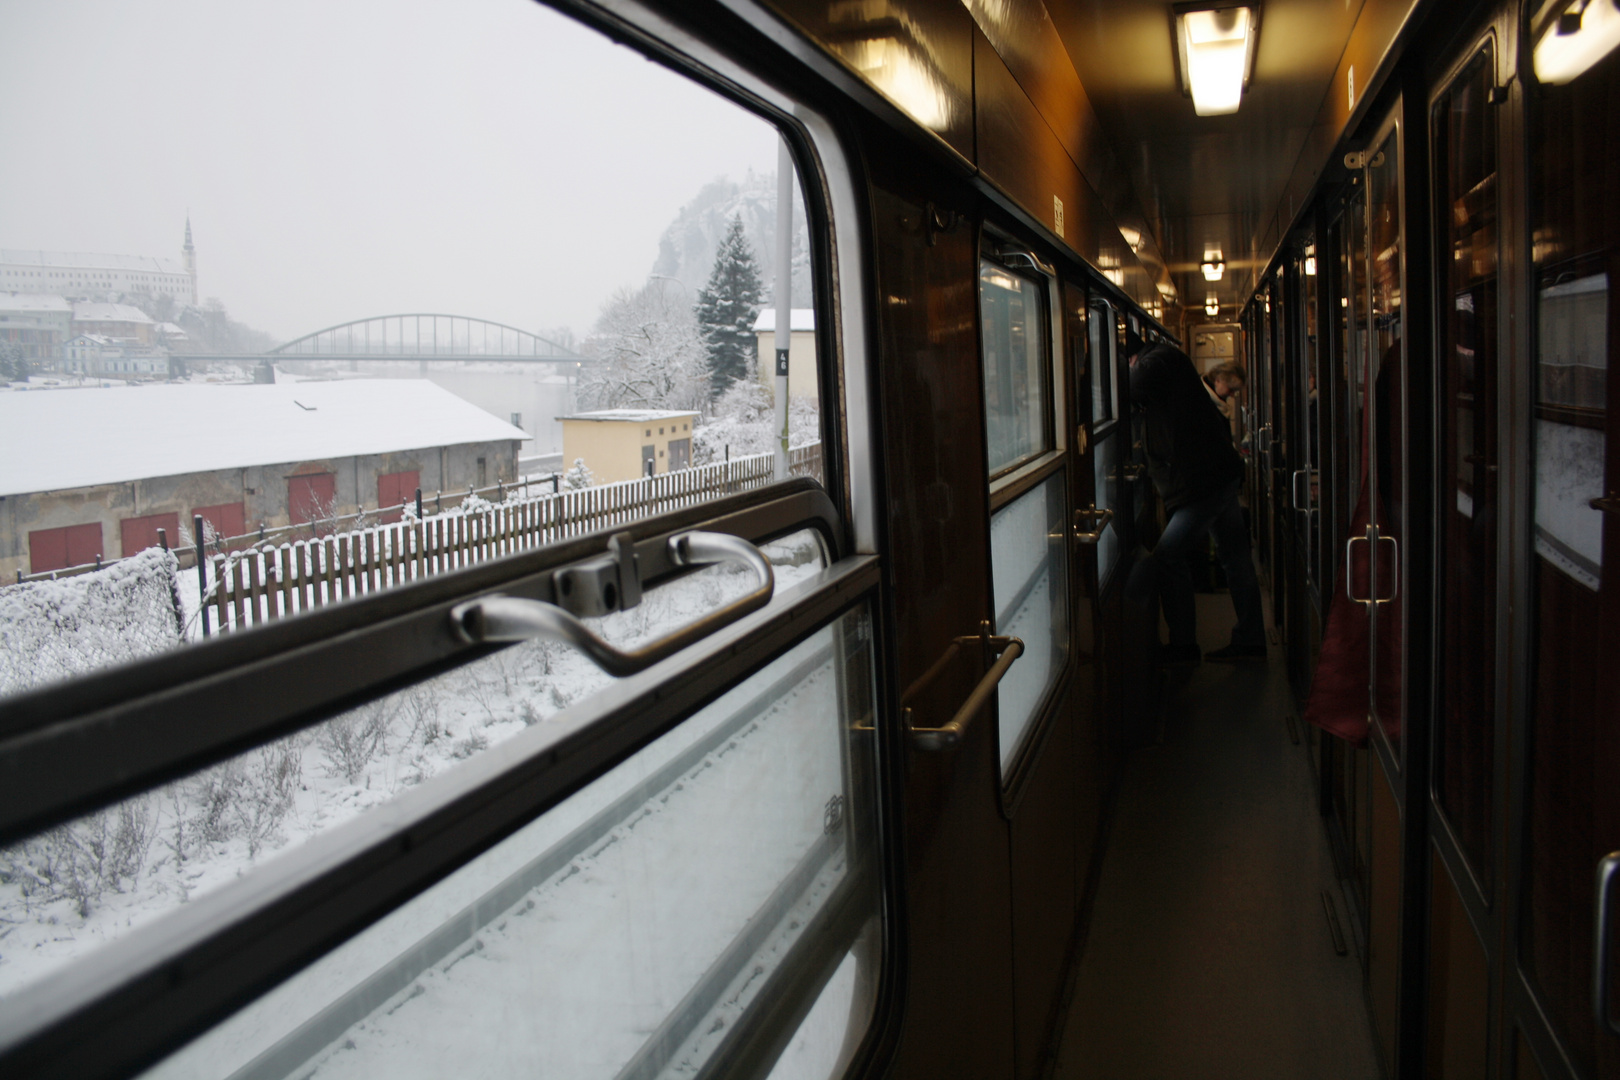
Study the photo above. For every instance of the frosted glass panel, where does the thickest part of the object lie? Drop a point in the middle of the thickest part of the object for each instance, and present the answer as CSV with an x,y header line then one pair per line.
x,y
1031,597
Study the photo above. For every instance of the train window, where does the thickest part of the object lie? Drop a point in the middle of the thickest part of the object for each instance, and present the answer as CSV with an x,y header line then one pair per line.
x,y
335,181
1105,452
1102,365
632,929
1017,393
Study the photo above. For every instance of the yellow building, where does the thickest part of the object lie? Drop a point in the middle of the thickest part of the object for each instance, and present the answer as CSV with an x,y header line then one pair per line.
x,y
623,444
802,380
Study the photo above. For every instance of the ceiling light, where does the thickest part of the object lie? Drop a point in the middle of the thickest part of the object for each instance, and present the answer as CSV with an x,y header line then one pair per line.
x,y
1310,266
1212,306
1576,35
1215,52
1213,270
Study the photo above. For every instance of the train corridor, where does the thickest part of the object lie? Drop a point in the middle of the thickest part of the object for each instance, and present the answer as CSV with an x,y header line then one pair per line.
x,y
1209,953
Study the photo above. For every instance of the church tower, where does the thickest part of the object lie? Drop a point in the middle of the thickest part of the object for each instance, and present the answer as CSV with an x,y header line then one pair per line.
x,y
190,254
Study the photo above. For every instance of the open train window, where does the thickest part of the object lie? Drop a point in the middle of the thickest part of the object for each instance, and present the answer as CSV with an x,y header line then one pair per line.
x,y
544,271
336,782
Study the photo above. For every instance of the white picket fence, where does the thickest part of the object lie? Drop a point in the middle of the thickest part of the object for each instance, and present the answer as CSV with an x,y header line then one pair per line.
x,y
271,581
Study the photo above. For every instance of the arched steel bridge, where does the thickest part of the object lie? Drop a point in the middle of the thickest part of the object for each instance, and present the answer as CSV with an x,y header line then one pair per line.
x,y
425,336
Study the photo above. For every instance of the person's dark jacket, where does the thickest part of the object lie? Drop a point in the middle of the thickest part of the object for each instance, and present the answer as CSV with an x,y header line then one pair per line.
x,y
1188,443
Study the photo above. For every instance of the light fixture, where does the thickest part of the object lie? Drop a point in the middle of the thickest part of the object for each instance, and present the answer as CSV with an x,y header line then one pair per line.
x,y
1213,270
1574,35
1310,261
1212,306
1215,53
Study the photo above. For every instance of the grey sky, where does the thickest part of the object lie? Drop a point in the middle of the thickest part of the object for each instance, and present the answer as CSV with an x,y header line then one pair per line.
x,y
349,158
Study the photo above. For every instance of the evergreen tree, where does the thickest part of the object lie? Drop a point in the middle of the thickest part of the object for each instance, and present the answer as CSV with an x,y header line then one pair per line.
x,y
727,308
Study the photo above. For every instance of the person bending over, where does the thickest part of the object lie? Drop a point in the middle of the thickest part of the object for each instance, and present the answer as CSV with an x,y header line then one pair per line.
x,y
1199,475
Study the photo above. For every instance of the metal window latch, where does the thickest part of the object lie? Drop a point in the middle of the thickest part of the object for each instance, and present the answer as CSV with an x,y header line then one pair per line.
x,y
603,584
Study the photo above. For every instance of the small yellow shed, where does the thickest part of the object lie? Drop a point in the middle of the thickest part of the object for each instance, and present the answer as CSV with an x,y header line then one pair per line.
x,y
623,444
802,380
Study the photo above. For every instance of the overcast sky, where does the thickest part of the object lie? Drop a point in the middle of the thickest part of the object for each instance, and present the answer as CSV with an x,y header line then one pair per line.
x,y
348,158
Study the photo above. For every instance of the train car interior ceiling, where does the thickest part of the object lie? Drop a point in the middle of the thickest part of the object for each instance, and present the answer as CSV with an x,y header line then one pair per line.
x,y
879,748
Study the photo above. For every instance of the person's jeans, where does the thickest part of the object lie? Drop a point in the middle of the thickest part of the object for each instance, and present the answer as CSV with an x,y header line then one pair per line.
x,y
1164,574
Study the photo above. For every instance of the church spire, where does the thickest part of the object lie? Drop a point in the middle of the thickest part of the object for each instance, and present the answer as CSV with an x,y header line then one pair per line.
x,y
190,253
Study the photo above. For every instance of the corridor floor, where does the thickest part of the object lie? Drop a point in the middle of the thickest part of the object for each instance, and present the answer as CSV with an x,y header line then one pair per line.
x,y
1209,955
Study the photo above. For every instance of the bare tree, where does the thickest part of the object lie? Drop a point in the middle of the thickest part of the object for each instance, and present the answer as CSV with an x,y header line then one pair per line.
x,y
648,352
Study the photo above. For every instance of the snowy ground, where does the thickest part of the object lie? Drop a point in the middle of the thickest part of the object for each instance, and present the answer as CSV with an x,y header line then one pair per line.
x,y
66,892
574,973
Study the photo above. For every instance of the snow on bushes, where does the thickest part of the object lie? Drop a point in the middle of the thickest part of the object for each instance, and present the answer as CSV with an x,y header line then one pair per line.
x,y
744,420
50,630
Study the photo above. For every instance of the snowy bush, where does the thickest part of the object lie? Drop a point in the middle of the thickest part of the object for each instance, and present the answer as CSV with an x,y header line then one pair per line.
x,y
51,630
353,739
744,420
578,477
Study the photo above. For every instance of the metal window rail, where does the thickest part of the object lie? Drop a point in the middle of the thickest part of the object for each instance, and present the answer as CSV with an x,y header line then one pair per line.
x,y
151,721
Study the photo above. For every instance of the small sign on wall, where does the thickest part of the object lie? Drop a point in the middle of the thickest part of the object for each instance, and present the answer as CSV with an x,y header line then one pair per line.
x,y
1057,215
782,362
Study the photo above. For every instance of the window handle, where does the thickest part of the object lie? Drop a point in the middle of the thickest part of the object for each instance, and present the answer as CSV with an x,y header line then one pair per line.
x,y
1602,942
1609,504
1307,475
498,618
1372,537
948,736
1100,518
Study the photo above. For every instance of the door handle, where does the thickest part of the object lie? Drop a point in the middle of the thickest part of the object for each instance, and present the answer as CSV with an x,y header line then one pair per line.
x,y
1395,572
1608,870
949,735
1306,475
498,618
1102,518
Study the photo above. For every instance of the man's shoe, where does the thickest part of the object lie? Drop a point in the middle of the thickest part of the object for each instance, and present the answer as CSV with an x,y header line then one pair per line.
x,y
1179,656
1238,653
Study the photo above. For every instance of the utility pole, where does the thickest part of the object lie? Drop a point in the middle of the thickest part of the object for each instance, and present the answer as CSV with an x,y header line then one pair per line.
x,y
784,298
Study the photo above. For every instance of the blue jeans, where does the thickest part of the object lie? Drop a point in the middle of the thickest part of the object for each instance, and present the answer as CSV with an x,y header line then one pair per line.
x,y
1164,574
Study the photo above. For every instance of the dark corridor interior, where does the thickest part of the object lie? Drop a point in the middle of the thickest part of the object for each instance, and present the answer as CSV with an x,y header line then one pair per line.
x,y
1210,952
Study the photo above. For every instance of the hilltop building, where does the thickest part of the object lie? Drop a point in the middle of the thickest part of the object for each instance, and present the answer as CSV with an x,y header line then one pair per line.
x,y
95,473
85,276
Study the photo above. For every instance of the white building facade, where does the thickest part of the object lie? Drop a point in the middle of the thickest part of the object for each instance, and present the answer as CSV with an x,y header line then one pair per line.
x,y
90,276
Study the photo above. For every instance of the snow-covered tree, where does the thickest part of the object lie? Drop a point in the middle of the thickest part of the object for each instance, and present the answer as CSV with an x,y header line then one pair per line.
x,y
578,477
13,365
648,352
727,308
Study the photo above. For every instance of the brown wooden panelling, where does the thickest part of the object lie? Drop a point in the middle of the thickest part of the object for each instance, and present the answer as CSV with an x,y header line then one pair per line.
x,y
1019,153
959,1011
1459,986
1524,1062
1384,918
1044,886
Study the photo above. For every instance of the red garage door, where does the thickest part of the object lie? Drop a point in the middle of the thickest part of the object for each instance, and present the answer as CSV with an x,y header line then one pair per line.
x,y
141,533
226,519
396,489
311,496
58,549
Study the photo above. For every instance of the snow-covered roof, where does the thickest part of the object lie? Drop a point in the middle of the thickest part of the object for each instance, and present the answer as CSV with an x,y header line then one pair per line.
x,y
13,301
59,439
636,416
79,260
169,329
94,339
92,312
803,318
